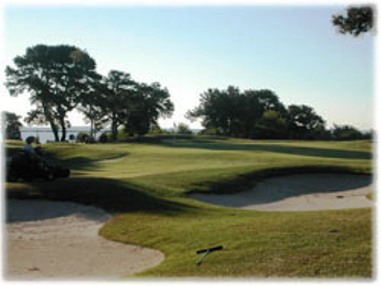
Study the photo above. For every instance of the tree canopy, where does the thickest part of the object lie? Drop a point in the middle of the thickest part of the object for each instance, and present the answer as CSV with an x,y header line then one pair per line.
x,y
256,114
56,77
358,20
12,125
118,100
147,104
62,78
235,113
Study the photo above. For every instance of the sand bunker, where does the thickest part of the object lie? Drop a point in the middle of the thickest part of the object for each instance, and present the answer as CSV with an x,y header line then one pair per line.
x,y
60,240
304,192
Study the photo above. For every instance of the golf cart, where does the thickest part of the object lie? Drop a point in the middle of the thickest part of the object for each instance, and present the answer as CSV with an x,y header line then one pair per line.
x,y
23,166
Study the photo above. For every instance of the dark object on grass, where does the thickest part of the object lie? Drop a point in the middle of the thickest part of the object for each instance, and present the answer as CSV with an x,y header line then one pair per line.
x,y
22,166
206,252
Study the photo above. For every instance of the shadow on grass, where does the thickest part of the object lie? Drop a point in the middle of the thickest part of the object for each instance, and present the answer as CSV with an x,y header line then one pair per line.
x,y
85,163
110,195
280,188
249,180
80,163
271,147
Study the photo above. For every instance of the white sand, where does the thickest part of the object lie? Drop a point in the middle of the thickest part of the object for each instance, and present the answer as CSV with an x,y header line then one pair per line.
x,y
59,240
304,192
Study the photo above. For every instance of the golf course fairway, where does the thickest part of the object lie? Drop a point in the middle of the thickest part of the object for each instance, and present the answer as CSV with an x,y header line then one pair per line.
x,y
148,186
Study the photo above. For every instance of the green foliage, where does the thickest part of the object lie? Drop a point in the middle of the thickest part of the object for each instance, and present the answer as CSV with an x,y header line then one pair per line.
x,y
271,125
83,137
116,92
256,114
346,132
12,125
122,135
234,113
56,77
156,130
211,132
105,137
120,101
358,20
148,103
183,129
304,123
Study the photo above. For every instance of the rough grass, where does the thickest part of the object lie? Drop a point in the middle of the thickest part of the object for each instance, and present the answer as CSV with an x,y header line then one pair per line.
x,y
144,184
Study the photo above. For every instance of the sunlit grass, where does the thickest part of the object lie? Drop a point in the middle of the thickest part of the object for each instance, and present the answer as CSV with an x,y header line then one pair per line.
x,y
145,186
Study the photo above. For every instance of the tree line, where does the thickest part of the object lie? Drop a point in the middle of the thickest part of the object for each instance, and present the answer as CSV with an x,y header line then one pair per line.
x,y
60,79
259,114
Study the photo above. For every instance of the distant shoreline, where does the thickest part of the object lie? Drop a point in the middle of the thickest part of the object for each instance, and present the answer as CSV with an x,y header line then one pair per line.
x,y
45,133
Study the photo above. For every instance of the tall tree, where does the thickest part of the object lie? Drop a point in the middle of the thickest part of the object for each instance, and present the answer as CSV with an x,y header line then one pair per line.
x,y
211,110
304,122
91,106
120,101
117,91
55,77
147,104
358,20
235,113
12,125
272,125
346,132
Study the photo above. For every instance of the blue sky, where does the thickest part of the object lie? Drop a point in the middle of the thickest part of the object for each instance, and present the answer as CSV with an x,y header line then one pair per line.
x,y
292,49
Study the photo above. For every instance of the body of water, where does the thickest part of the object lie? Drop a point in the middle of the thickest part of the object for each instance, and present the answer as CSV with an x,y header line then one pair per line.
x,y
45,134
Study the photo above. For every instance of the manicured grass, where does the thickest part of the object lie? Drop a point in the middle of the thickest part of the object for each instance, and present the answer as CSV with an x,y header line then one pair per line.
x,y
335,244
144,184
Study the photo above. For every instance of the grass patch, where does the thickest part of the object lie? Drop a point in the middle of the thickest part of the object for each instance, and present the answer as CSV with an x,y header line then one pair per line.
x,y
144,185
257,244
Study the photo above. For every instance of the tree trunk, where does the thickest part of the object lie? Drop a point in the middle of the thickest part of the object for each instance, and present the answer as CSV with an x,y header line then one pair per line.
x,y
91,117
114,128
92,135
50,119
63,134
55,131
63,128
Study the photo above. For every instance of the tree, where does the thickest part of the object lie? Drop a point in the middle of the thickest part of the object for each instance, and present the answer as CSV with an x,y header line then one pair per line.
x,y
358,20
271,125
91,106
233,113
212,111
265,116
147,104
56,77
12,125
116,92
346,132
83,137
120,101
304,122
183,129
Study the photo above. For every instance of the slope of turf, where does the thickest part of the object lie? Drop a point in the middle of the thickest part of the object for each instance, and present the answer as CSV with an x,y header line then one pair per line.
x,y
144,184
